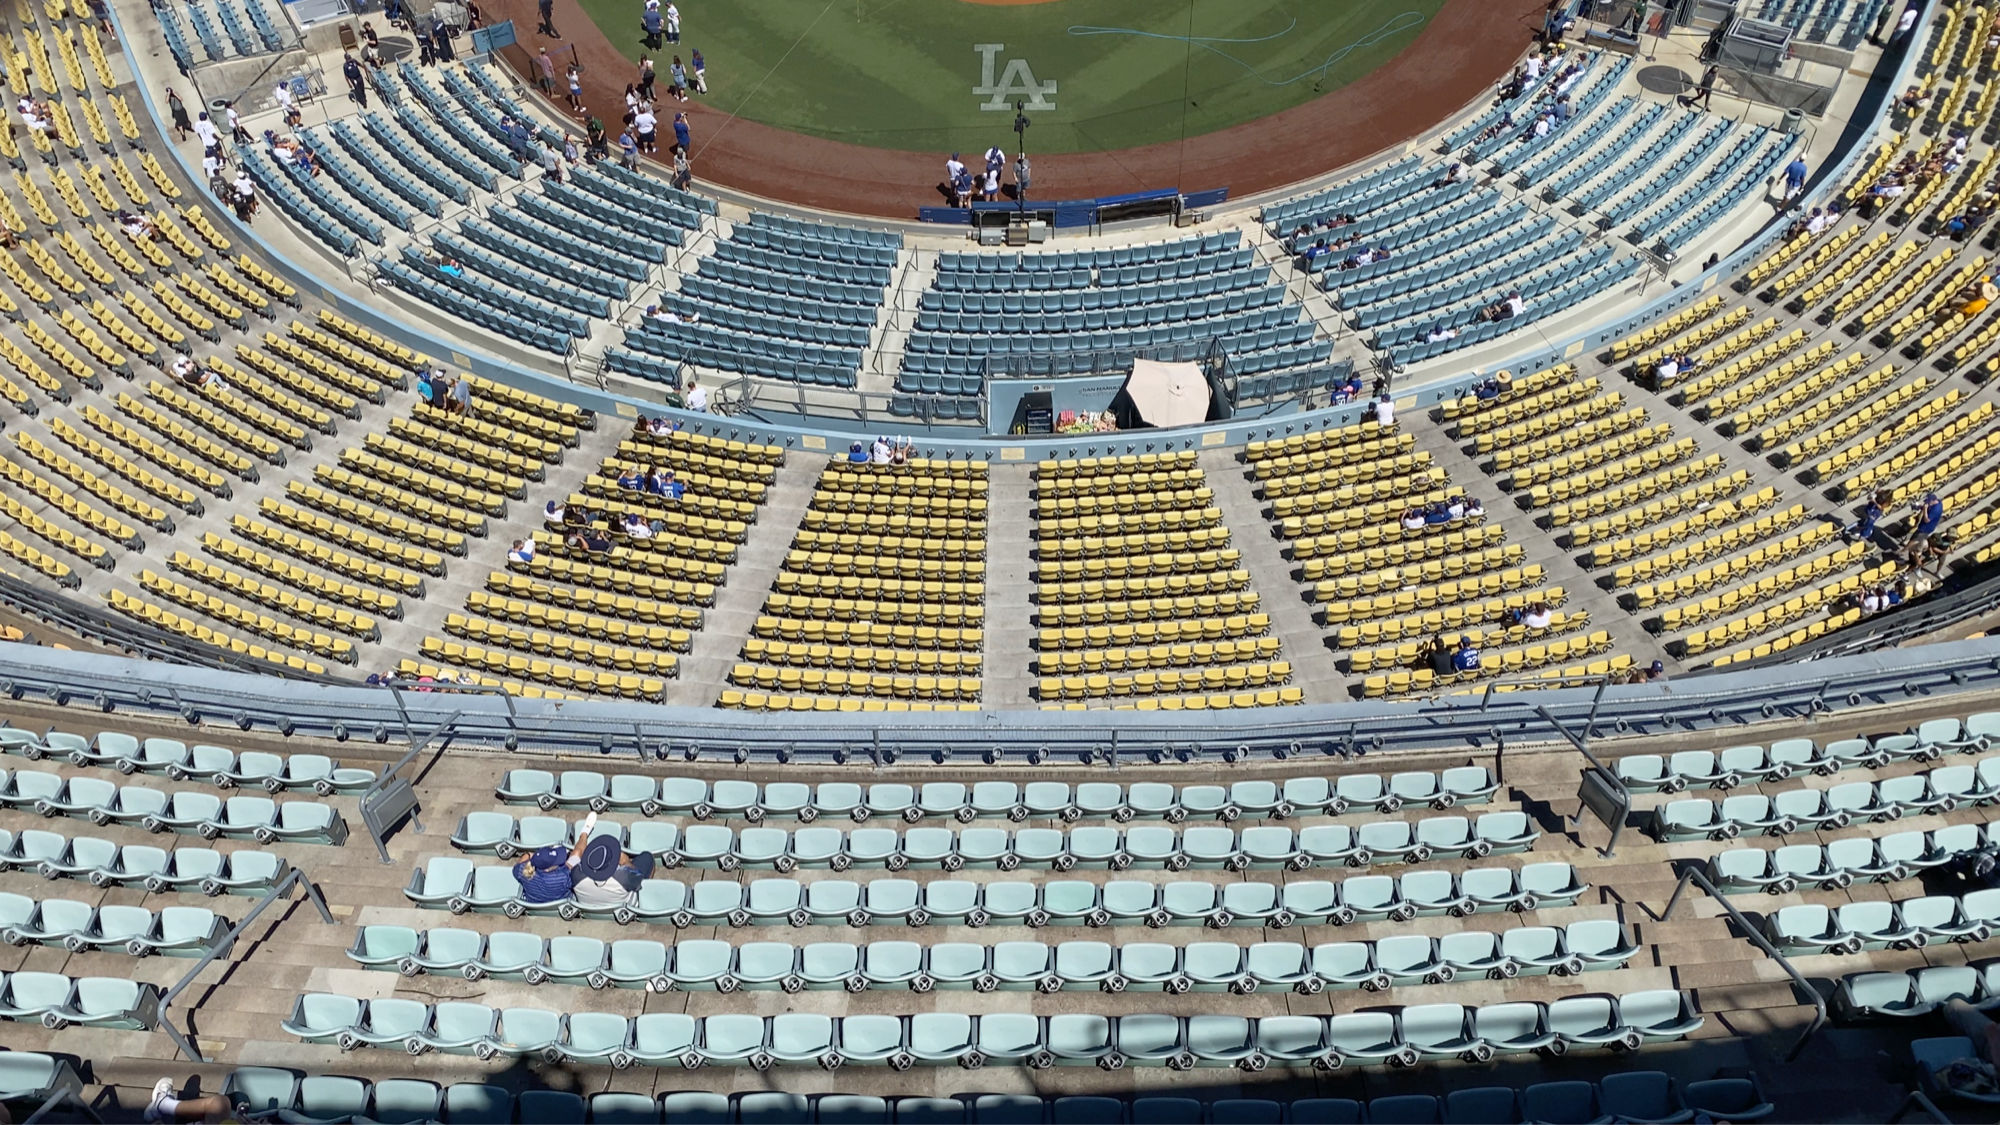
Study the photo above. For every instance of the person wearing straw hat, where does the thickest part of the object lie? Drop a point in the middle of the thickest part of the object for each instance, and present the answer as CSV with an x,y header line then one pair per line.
x,y
605,875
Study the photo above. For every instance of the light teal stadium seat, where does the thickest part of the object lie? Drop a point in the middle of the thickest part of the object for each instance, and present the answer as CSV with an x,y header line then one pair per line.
x,y
461,1028
890,964
1364,1038
1439,1031
1546,885
513,955
1561,1101
666,1039
403,1101
111,1002
703,965
186,931
485,833
957,965
1691,818
1492,888
260,1091
871,1040
802,1038
613,1107
53,921
320,1017
766,965
1642,1097
830,965
1010,903
1589,1021
1373,898
1504,833
1215,966
1280,964
1082,1039
1152,1039
1538,950
576,960
1411,959
1936,918
527,787
1290,1041
1659,1014
440,880
1150,965
597,1038
447,950
1072,902
1474,953
734,1040
1223,1041
941,1038
1087,965
1250,904
1010,1039
328,1098
1384,841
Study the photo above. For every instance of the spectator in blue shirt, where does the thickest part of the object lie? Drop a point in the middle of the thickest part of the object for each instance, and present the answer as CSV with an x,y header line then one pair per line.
x,y
1466,659
1864,528
857,454
1930,513
545,875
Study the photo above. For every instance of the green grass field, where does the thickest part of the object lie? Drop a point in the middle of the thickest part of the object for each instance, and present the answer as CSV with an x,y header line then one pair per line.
x,y
901,73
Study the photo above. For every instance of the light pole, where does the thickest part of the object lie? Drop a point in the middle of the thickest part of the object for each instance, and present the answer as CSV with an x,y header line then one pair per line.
x,y
1021,124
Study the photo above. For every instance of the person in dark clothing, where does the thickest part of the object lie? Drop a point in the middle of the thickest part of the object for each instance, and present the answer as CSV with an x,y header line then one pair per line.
x,y
1704,89
357,86
545,10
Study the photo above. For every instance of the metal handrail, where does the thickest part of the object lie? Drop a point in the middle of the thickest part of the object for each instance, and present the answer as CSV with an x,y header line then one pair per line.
x,y
1692,874
282,890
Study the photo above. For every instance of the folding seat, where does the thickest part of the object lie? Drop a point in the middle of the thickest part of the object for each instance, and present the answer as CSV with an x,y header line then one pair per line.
x,y
1852,753
1648,773
1011,1039
1953,786
941,1038
704,966
802,1038
512,955
485,832
1440,1031
614,1108
947,902
1504,833
734,1040
259,1090
946,799
307,822
979,847
1664,1014
1936,919
1361,791
1947,735
1366,1037
54,921
317,1017
1021,965
651,838
1598,942
80,796
867,1041
1641,1096
703,845
711,902
402,1101
576,960
1789,756
637,963
664,1039
1588,1021
1218,1041
832,902
956,965
1307,902
1793,809
1538,950
757,848
527,787
1348,964
1732,1099
683,796
1900,854
1180,1111
998,799
1093,846
1329,845
1328,1111
1908,795
1560,1101
1214,966
1691,818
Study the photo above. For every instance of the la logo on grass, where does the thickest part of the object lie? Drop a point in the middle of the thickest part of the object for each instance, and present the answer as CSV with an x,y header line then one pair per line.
x,y
1017,82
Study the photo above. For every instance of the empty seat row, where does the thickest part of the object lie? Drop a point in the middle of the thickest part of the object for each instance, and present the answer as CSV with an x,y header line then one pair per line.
x,y
1844,862
1037,800
1401,1037
1726,769
1268,846
1856,927
1639,1095
1778,814
186,811
456,884
80,927
56,1001
105,863
1210,966
1917,992
217,765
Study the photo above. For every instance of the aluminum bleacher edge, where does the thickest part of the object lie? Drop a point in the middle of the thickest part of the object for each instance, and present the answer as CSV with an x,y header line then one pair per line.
x,y
1453,724
1826,178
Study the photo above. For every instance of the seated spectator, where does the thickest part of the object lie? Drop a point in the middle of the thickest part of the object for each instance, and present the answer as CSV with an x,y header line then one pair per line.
x,y
1438,655
1512,306
1451,176
1473,508
903,450
545,876
576,517
663,427
605,875
643,427
590,540
662,483
1455,507
1413,520
637,526
1657,673
523,551
857,454
136,226
1538,616
553,513
1435,515
449,266
1315,252
1439,333
878,453
1486,390
631,479
1466,659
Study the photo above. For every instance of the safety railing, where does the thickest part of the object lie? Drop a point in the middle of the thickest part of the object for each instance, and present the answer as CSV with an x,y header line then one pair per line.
x,y
1691,873
282,890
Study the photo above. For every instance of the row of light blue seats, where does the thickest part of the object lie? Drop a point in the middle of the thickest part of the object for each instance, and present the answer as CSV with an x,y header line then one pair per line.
x,y
1308,354
1087,344
534,285
81,927
710,291
1414,317
1843,862
1916,992
1793,810
553,207
1460,268
757,257
1632,1095
1690,192
1262,388
205,31
412,191
1476,217
1123,275
56,1001
826,232
1280,217
1602,156
106,802
445,112
576,273
1109,257
1859,927
1425,207
944,407
339,209
444,157
1390,198
614,216
679,334
656,187
1577,142
456,884
426,287
466,103
1635,195
1584,122
177,44
1310,795
1015,282
1404,1037
774,325
557,241
260,18
1431,211
106,863
818,290
633,200
810,248
355,184
1079,300
1465,288
27,1076
1591,283
1266,846
482,77
486,290
1703,769
1688,228
218,765
232,23
308,214
1097,319
1494,113
666,367
709,965
1584,96
1602,187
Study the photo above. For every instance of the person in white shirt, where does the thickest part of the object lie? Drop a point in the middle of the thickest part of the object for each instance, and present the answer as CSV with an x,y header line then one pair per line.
x,y
1515,305
878,454
1456,508
637,527
1667,369
1538,616
1413,520
283,93
1385,411
952,168
1533,67
206,130
697,397
992,183
1542,126
523,551
673,15
1819,222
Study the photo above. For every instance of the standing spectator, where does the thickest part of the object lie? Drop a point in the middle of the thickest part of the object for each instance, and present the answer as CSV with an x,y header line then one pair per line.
x,y
991,187
1864,528
952,168
461,395
576,89
357,90
420,29
546,11
179,111
1906,23
1021,171
545,72
1795,177
700,73
441,43
673,22
1704,90
244,196
697,397
681,134
205,130
628,151
649,22
996,159
683,169
646,126
1929,513
283,93
644,86
679,75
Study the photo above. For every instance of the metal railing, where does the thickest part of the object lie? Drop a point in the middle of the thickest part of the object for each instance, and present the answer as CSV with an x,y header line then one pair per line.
x,y
281,890
1692,874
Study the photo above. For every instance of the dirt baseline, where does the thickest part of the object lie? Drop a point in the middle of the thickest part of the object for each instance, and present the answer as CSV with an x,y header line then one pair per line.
x,y
1460,55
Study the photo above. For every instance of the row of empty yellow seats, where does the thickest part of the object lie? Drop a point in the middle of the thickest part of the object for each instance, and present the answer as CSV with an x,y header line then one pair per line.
x,y
262,624
1408,654
153,614
277,597
624,607
333,589
849,681
759,701
601,654
1423,681
1234,677
1185,654
1707,514
1707,578
1344,598
927,662
1457,615
1793,609
1697,544
1220,701
1866,391
1679,322
566,677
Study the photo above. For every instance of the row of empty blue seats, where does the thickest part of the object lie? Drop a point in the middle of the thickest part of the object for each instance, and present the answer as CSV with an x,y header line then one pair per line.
x,y
107,863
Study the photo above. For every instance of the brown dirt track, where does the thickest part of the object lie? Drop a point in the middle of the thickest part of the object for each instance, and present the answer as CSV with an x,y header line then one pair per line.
x,y
1460,55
